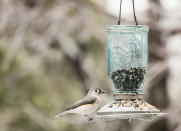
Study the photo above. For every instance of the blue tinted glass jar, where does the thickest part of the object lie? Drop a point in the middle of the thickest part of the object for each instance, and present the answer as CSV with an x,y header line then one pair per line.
x,y
127,57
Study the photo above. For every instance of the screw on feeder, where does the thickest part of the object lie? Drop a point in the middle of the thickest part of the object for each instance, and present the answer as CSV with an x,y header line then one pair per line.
x,y
135,19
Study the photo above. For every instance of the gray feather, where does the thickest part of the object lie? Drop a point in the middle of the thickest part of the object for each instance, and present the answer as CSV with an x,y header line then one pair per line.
x,y
61,114
85,101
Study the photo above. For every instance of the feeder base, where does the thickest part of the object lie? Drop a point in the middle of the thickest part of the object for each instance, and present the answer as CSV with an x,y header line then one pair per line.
x,y
129,109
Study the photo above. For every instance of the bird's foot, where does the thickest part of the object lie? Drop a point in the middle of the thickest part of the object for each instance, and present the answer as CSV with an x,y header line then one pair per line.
x,y
89,118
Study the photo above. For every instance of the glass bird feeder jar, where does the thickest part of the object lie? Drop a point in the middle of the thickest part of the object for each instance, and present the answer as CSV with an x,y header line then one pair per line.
x,y
127,57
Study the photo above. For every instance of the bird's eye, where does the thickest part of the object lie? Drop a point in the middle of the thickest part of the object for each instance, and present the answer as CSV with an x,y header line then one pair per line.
x,y
96,90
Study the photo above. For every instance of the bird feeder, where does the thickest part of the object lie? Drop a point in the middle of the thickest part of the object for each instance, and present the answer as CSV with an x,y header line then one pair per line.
x,y
127,67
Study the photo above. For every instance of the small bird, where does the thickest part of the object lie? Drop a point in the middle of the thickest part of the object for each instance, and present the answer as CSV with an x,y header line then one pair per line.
x,y
87,106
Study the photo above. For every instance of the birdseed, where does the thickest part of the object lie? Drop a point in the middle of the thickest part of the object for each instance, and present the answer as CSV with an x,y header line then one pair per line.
x,y
128,79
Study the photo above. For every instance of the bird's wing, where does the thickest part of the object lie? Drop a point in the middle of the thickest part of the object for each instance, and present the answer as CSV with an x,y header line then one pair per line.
x,y
85,101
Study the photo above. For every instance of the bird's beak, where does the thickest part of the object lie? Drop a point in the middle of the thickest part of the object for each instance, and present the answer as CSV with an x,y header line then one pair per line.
x,y
102,92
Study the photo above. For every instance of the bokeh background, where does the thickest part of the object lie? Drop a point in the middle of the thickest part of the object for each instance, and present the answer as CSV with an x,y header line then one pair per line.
x,y
53,51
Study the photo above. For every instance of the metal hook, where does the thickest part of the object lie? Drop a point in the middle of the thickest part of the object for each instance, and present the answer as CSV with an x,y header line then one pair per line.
x,y
119,20
135,19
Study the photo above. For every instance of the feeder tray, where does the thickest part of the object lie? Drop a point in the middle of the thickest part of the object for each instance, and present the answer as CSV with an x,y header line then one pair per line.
x,y
129,109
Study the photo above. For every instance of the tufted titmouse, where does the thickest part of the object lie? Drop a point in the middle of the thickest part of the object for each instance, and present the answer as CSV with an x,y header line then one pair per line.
x,y
87,106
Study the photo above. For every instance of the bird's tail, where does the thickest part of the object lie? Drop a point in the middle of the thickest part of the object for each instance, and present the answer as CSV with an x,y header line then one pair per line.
x,y
61,114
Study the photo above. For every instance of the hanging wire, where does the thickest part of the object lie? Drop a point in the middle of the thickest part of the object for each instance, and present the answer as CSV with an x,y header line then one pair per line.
x,y
119,20
135,19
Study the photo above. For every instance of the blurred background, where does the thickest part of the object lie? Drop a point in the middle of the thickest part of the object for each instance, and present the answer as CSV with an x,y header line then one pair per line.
x,y
53,51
